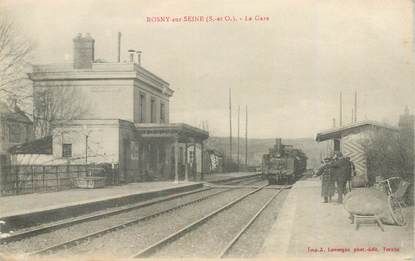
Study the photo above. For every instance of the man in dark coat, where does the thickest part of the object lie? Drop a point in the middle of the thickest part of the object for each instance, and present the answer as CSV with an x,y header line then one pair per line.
x,y
341,169
351,171
327,180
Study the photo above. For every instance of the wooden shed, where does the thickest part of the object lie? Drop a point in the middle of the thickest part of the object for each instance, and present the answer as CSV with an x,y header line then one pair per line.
x,y
347,139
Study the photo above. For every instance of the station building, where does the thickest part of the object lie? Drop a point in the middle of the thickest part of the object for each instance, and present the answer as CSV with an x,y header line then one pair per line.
x,y
124,119
348,140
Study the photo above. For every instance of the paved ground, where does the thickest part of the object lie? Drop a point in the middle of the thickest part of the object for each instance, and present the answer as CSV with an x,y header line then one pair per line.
x,y
306,227
14,205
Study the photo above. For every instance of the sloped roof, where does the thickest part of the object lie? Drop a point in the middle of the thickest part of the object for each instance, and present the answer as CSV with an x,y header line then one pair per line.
x,y
39,146
337,133
215,152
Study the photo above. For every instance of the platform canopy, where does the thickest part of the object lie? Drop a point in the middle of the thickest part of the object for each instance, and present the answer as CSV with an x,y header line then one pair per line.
x,y
338,133
181,131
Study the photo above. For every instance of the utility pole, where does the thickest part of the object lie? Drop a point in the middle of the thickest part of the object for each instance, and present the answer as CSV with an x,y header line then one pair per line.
x,y
119,48
239,108
230,124
341,110
85,129
246,136
86,149
355,106
352,115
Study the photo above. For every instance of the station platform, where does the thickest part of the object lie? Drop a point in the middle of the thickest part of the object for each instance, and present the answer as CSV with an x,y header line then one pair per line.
x,y
306,227
30,209
23,208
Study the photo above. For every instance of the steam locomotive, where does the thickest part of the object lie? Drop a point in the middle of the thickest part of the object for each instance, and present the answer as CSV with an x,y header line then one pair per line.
x,y
283,164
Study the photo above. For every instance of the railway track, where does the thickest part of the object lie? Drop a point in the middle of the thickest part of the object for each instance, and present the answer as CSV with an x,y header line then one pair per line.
x,y
80,239
229,246
33,231
154,248
25,233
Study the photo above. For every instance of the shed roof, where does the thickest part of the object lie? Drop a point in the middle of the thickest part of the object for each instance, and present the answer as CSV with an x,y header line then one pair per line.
x,y
337,133
215,152
39,146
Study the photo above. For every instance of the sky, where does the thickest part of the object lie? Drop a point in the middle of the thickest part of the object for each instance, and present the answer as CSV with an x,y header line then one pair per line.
x,y
288,70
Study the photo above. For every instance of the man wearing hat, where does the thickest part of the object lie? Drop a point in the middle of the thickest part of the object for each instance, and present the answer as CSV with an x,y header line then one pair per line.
x,y
327,180
340,168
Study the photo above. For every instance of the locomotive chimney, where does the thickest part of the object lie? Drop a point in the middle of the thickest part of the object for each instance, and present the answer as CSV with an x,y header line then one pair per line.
x,y
278,144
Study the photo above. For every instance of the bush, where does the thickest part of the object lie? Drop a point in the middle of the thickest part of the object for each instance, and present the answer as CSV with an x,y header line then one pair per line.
x,y
388,155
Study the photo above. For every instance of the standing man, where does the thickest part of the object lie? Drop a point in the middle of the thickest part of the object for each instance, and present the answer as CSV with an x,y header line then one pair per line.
x,y
351,171
327,180
340,168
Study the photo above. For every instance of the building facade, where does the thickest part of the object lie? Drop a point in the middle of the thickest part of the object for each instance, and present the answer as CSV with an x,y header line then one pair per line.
x,y
15,128
120,116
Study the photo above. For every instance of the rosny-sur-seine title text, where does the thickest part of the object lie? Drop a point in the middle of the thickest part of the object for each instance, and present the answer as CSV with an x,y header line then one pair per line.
x,y
206,19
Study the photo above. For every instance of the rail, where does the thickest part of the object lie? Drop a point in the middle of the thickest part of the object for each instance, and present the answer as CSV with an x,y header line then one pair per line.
x,y
61,224
153,248
235,239
76,241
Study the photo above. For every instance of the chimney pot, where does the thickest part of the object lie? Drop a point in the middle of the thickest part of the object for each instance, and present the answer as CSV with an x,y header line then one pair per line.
x,y
83,51
131,55
139,57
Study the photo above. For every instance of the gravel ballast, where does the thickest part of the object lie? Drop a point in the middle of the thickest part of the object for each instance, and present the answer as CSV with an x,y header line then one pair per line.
x,y
125,242
251,241
208,240
63,234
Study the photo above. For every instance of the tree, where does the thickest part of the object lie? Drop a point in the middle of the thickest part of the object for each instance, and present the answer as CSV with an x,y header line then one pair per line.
x,y
52,103
387,155
56,103
14,51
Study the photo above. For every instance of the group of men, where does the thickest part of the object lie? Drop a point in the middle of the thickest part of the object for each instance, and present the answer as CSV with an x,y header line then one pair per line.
x,y
335,172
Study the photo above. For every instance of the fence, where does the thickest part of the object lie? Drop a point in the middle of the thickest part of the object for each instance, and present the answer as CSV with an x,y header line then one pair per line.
x,y
22,179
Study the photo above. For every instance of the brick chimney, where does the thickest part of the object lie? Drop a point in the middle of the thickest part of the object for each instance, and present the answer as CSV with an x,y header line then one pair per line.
x,y
83,49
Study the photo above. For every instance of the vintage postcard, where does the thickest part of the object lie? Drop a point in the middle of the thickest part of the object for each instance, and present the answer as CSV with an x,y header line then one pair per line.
x,y
270,129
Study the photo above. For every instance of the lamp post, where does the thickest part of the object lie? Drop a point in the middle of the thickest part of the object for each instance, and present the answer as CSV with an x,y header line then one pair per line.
x,y
86,143
86,149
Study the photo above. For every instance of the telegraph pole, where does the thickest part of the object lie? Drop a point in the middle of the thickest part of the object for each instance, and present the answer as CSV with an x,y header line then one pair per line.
x,y
341,110
246,136
86,149
355,106
239,108
230,124
119,48
352,116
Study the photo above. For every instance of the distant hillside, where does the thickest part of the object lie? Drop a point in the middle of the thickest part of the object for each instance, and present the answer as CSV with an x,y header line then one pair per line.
x,y
258,147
